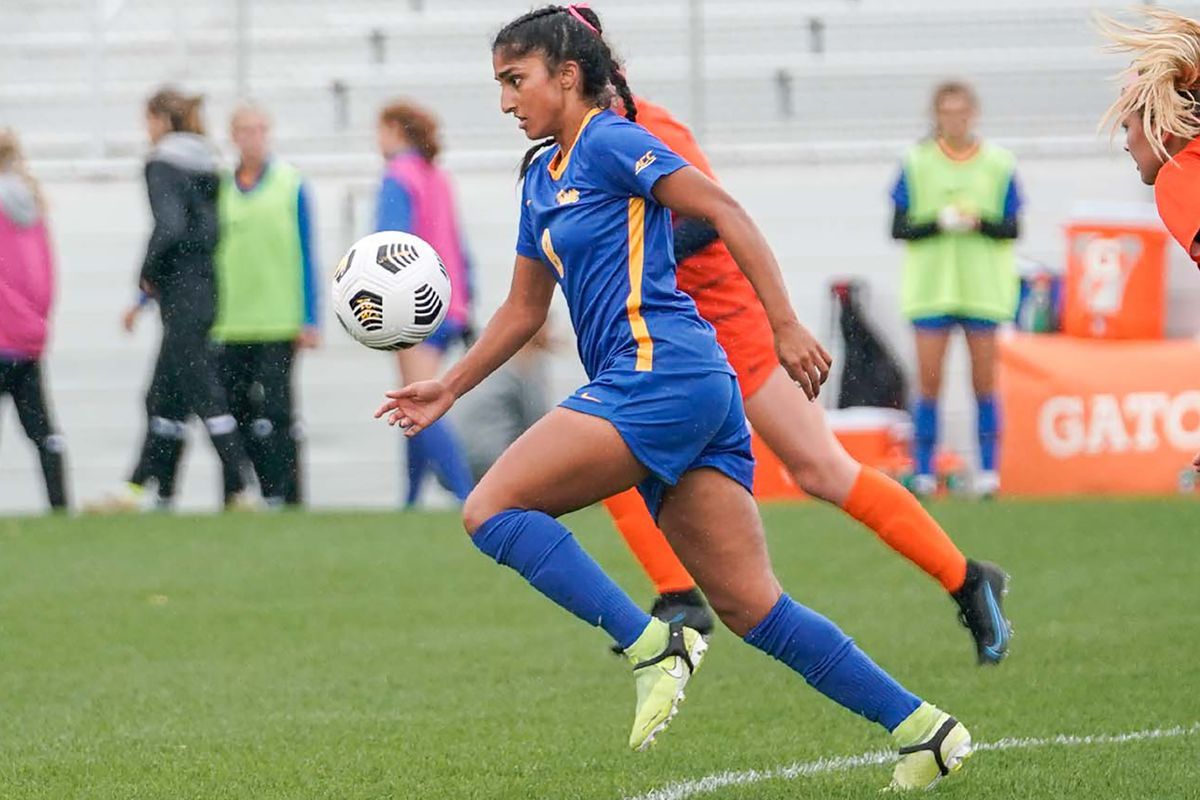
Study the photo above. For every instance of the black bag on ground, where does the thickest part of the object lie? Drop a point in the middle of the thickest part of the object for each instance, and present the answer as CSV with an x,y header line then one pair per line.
x,y
871,376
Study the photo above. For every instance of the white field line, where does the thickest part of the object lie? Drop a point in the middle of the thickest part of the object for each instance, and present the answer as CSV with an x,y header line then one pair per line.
x,y
719,780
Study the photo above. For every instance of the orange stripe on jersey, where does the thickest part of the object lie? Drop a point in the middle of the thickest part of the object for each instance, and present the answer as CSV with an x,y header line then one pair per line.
x,y
633,305
558,165
548,249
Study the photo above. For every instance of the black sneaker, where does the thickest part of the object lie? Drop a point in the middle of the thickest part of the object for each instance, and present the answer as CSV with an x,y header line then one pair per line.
x,y
687,608
980,610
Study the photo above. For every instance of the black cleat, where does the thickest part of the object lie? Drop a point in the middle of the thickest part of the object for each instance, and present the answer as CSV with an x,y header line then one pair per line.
x,y
980,610
687,608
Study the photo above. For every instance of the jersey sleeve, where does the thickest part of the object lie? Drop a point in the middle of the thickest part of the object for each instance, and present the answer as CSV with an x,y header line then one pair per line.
x,y
308,268
1177,195
631,159
526,240
393,210
900,192
1014,198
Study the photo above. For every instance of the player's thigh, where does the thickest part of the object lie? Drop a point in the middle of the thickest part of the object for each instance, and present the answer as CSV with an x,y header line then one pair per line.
x,y
931,352
797,431
419,363
565,462
713,525
982,346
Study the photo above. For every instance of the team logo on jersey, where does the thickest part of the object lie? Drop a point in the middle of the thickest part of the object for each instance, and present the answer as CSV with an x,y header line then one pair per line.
x,y
342,266
568,196
644,162
367,308
395,257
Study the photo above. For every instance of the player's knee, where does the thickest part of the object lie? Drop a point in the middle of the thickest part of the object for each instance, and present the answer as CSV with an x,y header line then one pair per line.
x,y
739,613
825,477
477,510
52,443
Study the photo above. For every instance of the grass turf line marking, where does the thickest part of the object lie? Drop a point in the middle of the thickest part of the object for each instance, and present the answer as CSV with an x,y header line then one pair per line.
x,y
710,783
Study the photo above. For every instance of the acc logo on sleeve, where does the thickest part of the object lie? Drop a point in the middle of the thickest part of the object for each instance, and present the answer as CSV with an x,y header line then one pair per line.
x,y
644,162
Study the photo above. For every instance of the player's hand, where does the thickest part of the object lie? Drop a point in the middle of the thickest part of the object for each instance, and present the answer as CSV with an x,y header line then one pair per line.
x,y
309,338
417,406
129,318
803,357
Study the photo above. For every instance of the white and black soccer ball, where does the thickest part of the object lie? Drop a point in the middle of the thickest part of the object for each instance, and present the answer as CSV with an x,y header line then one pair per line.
x,y
391,290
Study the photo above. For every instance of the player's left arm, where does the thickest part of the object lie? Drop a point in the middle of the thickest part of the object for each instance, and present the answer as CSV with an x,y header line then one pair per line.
x,y
689,193
310,335
1008,226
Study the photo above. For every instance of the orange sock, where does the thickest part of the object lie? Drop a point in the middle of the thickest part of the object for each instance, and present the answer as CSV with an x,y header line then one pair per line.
x,y
648,544
904,525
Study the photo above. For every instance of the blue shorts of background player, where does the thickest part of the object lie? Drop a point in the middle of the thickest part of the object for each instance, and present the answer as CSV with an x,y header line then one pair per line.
x,y
946,322
673,424
446,336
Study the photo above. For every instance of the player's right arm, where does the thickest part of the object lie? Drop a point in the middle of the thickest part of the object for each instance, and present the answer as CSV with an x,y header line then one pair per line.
x,y
520,316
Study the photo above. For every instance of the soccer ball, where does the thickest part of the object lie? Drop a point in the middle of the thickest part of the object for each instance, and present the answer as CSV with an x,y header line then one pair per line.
x,y
391,290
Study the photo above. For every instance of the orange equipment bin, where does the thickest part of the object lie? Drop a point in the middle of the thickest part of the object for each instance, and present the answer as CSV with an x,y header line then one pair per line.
x,y
1115,280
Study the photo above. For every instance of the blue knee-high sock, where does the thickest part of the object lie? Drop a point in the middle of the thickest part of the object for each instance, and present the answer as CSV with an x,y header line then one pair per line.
x,y
446,455
831,663
418,463
547,555
925,429
988,422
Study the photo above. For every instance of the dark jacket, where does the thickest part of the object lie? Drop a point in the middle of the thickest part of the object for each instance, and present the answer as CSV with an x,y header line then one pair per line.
x,y
182,180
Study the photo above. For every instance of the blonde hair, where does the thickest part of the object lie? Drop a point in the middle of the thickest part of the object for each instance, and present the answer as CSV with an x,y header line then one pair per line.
x,y
12,159
1160,82
249,108
181,111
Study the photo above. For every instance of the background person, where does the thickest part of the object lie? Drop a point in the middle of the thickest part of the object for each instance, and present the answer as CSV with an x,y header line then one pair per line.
x,y
182,182
26,297
266,301
955,205
415,196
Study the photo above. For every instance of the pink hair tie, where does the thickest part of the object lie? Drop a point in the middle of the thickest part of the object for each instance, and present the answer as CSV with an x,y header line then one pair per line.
x,y
573,11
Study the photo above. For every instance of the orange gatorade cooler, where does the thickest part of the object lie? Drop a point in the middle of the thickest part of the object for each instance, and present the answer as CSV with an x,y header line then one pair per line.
x,y
1115,279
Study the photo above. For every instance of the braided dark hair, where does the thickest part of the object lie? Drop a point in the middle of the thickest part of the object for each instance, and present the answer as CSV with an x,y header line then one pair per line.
x,y
560,36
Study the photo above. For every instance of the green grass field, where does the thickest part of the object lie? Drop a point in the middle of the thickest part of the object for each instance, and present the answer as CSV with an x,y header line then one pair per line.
x,y
380,656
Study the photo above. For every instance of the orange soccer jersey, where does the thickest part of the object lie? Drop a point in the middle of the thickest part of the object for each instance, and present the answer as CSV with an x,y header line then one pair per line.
x,y
723,295
1177,195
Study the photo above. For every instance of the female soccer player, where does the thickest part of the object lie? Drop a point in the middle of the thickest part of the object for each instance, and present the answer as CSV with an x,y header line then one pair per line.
x,y
182,181
956,205
661,410
1159,110
26,294
796,430
415,196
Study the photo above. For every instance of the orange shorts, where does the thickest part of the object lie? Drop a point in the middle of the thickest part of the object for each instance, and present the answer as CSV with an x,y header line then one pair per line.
x,y
742,330
750,346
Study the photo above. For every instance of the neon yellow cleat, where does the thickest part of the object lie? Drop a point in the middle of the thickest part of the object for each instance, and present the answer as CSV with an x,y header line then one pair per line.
x,y
932,745
664,658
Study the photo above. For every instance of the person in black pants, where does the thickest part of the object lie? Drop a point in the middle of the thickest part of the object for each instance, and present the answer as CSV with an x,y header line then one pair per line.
x,y
26,295
182,181
266,301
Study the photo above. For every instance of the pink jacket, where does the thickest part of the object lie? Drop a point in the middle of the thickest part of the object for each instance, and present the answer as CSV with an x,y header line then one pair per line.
x,y
26,272
434,219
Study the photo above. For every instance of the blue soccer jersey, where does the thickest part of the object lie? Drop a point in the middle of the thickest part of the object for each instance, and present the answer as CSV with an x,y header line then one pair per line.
x,y
590,217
